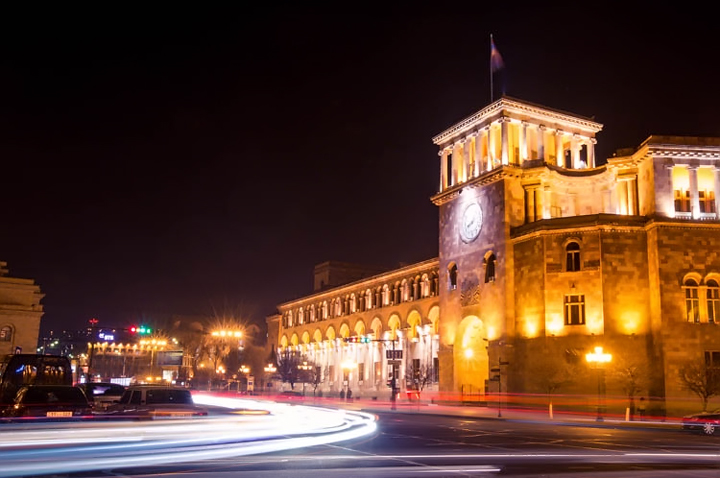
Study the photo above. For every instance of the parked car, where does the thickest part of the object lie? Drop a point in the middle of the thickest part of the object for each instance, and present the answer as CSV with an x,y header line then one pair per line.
x,y
102,394
706,422
50,402
155,401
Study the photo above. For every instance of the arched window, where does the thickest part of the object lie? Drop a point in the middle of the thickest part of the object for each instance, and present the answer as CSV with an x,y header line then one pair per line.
x,y
490,268
338,307
301,316
692,302
572,257
353,303
713,301
385,295
452,276
425,286
290,319
6,334
324,310
405,288
368,299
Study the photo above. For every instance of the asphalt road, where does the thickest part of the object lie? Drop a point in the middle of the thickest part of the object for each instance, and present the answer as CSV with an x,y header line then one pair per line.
x,y
412,445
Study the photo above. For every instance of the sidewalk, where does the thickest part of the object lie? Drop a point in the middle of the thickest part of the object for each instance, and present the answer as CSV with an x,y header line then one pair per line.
x,y
489,413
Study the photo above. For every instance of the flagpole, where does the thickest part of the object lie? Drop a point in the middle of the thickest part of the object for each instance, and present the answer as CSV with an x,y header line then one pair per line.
x,y
491,70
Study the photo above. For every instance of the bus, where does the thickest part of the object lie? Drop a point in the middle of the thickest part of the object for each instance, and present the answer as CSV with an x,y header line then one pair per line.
x,y
17,370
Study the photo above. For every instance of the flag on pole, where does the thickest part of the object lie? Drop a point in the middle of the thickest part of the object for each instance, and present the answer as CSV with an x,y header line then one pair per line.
x,y
496,61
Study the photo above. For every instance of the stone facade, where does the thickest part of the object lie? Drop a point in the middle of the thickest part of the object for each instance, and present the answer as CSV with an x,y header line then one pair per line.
x,y
20,313
544,256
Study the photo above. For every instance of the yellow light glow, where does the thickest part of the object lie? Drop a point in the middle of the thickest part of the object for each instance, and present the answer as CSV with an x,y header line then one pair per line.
x,y
531,329
348,365
598,356
468,353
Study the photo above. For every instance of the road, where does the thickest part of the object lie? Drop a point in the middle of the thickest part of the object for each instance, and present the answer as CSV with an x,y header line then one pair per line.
x,y
442,445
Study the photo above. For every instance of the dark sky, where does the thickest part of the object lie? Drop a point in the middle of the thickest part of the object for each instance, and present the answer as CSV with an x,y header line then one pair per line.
x,y
200,161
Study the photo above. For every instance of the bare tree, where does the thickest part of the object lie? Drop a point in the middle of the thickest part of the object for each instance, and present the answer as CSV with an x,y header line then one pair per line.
x,y
701,379
551,371
287,367
632,374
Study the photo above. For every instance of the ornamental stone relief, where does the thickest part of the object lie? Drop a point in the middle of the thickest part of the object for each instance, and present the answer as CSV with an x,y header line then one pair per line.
x,y
470,291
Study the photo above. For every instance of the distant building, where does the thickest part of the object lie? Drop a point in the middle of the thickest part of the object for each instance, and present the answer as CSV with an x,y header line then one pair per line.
x,y
20,313
544,255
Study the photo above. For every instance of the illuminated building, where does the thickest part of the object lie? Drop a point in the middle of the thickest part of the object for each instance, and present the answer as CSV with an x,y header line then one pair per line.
x,y
20,313
544,252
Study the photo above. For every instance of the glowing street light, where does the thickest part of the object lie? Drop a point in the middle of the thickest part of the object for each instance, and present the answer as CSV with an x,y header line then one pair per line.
x,y
598,357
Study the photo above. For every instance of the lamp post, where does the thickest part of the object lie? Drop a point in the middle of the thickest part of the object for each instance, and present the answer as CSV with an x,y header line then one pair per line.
x,y
269,369
304,368
347,366
598,357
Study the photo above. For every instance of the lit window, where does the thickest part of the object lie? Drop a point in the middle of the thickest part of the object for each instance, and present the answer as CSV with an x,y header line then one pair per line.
x,y
682,200
572,260
452,277
325,310
301,316
368,299
713,301
692,302
707,201
385,295
574,309
425,286
405,288
490,268
353,304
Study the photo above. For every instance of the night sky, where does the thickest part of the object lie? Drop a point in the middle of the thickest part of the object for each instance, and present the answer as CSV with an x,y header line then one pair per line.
x,y
204,161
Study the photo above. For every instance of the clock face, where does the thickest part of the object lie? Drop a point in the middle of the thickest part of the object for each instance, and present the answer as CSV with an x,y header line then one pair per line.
x,y
471,222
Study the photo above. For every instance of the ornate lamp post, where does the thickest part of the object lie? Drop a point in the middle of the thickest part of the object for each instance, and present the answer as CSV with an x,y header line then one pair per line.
x,y
269,370
304,368
598,358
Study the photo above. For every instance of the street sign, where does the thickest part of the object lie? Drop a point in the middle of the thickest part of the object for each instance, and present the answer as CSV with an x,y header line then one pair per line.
x,y
393,354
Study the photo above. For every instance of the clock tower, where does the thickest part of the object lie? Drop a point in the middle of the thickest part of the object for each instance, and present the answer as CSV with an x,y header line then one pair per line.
x,y
491,169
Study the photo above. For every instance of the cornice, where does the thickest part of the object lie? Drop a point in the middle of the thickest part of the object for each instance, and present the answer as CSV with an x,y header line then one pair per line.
x,y
386,277
497,174
515,107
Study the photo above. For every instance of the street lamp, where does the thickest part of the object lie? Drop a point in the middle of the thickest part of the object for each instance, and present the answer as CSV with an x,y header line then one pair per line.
x,y
598,357
270,369
304,368
347,366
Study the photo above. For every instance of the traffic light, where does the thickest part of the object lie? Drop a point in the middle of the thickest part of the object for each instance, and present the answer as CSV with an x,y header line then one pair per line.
x,y
140,329
357,340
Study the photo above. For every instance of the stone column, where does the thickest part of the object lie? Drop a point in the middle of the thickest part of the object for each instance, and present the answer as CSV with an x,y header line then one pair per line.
x,y
559,156
504,152
591,152
478,154
541,142
456,164
523,142
443,169
467,160
491,148
694,197
575,151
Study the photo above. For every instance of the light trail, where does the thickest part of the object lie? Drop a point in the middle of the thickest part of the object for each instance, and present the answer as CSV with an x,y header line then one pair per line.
x,y
34,449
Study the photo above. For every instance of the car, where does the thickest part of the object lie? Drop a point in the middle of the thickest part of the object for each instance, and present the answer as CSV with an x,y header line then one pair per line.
x,y
102,394
49,402
706,422
155,401
289,396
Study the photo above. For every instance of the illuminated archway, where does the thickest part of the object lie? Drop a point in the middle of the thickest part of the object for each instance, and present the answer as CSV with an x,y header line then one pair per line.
x,y
306,337
318,336
414,321
359,327
344,331
471,357
394,325
377,327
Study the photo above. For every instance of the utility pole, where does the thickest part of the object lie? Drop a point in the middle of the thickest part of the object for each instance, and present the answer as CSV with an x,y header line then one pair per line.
x,y
93,325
